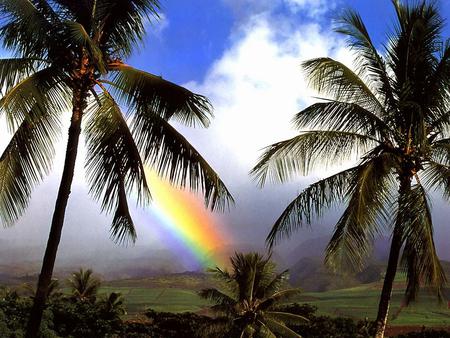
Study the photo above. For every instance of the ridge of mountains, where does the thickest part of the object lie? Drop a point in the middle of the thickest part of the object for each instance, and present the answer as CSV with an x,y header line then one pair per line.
x,y
305,264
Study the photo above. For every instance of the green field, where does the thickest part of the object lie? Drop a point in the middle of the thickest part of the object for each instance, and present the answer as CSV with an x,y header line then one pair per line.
x,y
138,299
357,303
361,302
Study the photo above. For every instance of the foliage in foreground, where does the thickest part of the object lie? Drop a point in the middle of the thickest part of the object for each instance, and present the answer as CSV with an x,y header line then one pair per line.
x,y
392,115
66,317
63,317
252,291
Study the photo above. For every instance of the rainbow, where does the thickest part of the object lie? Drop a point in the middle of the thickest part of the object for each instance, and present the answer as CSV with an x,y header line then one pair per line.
x,y
184,217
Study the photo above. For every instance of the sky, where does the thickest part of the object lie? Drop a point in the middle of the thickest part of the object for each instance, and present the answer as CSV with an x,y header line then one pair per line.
x,y
245,56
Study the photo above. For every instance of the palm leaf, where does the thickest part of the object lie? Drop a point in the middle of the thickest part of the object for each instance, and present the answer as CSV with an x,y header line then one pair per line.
x,y
369,60
274,285
367,213
123,22
174,158
44,92
419,255
287,318
81,37
311,203
280,328
147,93
301,154
25,29
223,302
440,151
436,176
278,297
25,161
15,70
338,81
114,165
341,116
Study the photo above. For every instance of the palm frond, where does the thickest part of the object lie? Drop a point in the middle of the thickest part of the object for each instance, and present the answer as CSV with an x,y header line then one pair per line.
x,y
147,93
440,151
24,28
368,59
25,161
371,192
223,302
436,177
45,92
81,37
278,297
280,328
419,258
274,285
301,154
437,95
12,71
339,82
113,165
287,318
342,116
123,22
263,330
171,155
311,203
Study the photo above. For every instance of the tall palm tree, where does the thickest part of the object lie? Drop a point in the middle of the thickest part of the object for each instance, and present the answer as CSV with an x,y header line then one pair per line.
x,y
393,116
70,56
84,286
252,297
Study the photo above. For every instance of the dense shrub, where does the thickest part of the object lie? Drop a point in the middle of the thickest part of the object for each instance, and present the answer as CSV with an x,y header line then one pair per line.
x,y
327,327
426,334
63,317
173,325
83,319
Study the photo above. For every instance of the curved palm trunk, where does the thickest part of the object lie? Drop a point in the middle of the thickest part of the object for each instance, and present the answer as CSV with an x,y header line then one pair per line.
x,y
79,99
391,270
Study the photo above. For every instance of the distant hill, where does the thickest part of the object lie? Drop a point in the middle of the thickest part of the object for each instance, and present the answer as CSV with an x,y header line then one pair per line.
x,y
307,269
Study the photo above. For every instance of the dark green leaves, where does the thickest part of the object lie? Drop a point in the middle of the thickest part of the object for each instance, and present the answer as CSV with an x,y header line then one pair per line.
x,y
114,165
420,260
303,153
24,162
145,92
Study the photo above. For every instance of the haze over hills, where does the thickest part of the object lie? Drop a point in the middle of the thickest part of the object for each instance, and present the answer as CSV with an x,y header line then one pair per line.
x,y
305,264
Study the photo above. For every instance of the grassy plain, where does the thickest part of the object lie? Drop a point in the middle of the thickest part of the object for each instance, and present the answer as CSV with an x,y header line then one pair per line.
x,y
179,294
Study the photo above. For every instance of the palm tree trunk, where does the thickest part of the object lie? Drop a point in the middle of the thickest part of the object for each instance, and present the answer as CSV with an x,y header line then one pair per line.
x,y
79,103
391,270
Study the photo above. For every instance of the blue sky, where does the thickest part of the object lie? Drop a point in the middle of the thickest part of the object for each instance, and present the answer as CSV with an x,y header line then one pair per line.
x,y
245,56
193,34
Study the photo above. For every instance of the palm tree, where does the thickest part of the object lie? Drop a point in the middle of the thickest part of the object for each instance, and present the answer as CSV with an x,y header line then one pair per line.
x,y
252,297
113,304
53,289
70,56
84,286
393,116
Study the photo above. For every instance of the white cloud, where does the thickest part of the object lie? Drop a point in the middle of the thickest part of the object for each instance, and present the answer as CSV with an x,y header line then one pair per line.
x,y
256,87
311,7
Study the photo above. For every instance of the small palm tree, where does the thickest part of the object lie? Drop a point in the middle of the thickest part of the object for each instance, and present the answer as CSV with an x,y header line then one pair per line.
x,y
53,289
113,304
393,114
70,56
252,297
84,286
